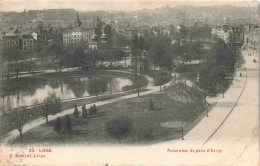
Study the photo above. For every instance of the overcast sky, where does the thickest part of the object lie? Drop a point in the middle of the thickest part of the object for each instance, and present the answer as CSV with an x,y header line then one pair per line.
x,y
90,5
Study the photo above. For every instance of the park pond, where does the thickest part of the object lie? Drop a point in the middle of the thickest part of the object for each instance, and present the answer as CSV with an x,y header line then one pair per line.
x,y
64,88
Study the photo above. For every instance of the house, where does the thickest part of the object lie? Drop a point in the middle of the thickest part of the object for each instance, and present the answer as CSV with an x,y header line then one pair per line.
x,y
20,42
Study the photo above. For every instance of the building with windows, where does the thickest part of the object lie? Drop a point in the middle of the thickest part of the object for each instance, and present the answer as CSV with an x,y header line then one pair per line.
x,y
77,34
27,43
20,42
228,33
251,36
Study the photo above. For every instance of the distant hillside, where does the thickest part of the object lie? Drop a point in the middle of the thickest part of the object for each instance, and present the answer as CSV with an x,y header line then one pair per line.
x,y
64,17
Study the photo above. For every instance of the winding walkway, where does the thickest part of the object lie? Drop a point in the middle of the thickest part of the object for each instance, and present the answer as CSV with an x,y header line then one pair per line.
x,y
30,125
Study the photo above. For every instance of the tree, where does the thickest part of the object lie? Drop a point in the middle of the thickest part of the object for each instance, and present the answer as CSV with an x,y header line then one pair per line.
x,y
160,53
212,76
119,41
56,50
161,79
14,60
51,106
91,57
221,56
177,49
141,47
78,56
19,118
138,84
29,63
135,51
119,128
97,85
69,50
145,65
184,31
6,61
108,31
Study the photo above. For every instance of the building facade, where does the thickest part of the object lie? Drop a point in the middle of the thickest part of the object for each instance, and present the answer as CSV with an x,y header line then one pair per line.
x,y
20,42
228,33
251,36
77,34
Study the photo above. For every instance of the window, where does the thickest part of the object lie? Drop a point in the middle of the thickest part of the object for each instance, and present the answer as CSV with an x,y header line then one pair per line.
x,y
24,42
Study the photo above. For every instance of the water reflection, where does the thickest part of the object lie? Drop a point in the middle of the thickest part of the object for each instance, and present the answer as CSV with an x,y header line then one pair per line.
x,y
64,88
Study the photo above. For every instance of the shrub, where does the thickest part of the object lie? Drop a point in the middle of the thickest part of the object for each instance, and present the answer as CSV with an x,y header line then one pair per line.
x,y
119,128
51,106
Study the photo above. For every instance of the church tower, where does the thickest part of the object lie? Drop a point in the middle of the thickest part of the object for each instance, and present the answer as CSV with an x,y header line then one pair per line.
x,y
77,23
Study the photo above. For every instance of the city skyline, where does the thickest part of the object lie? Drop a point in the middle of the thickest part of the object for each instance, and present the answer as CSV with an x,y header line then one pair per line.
x,y
114,5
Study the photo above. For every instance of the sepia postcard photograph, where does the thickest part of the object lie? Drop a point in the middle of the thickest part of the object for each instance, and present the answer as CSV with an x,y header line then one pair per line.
x,y
129,83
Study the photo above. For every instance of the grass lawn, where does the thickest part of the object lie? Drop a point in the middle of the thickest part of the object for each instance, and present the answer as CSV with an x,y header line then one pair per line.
x,y
146,124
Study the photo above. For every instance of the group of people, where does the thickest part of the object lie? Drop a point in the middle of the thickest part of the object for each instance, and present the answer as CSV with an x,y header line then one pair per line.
x,y
60,126
66,126
84,112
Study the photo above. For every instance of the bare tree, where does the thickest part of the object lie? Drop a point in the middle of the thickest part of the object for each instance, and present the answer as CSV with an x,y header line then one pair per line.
x,y
19,118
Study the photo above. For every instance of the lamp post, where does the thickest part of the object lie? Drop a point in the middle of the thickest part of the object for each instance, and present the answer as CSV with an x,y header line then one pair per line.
x,y
182,129
182,137
204,95
207,108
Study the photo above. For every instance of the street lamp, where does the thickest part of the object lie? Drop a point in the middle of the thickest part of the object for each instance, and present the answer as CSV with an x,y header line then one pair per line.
x,y
207,109
182,129
182,138
204,95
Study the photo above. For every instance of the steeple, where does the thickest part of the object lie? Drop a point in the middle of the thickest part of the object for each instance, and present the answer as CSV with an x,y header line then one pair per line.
x,y
77,23
103,36
94,37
